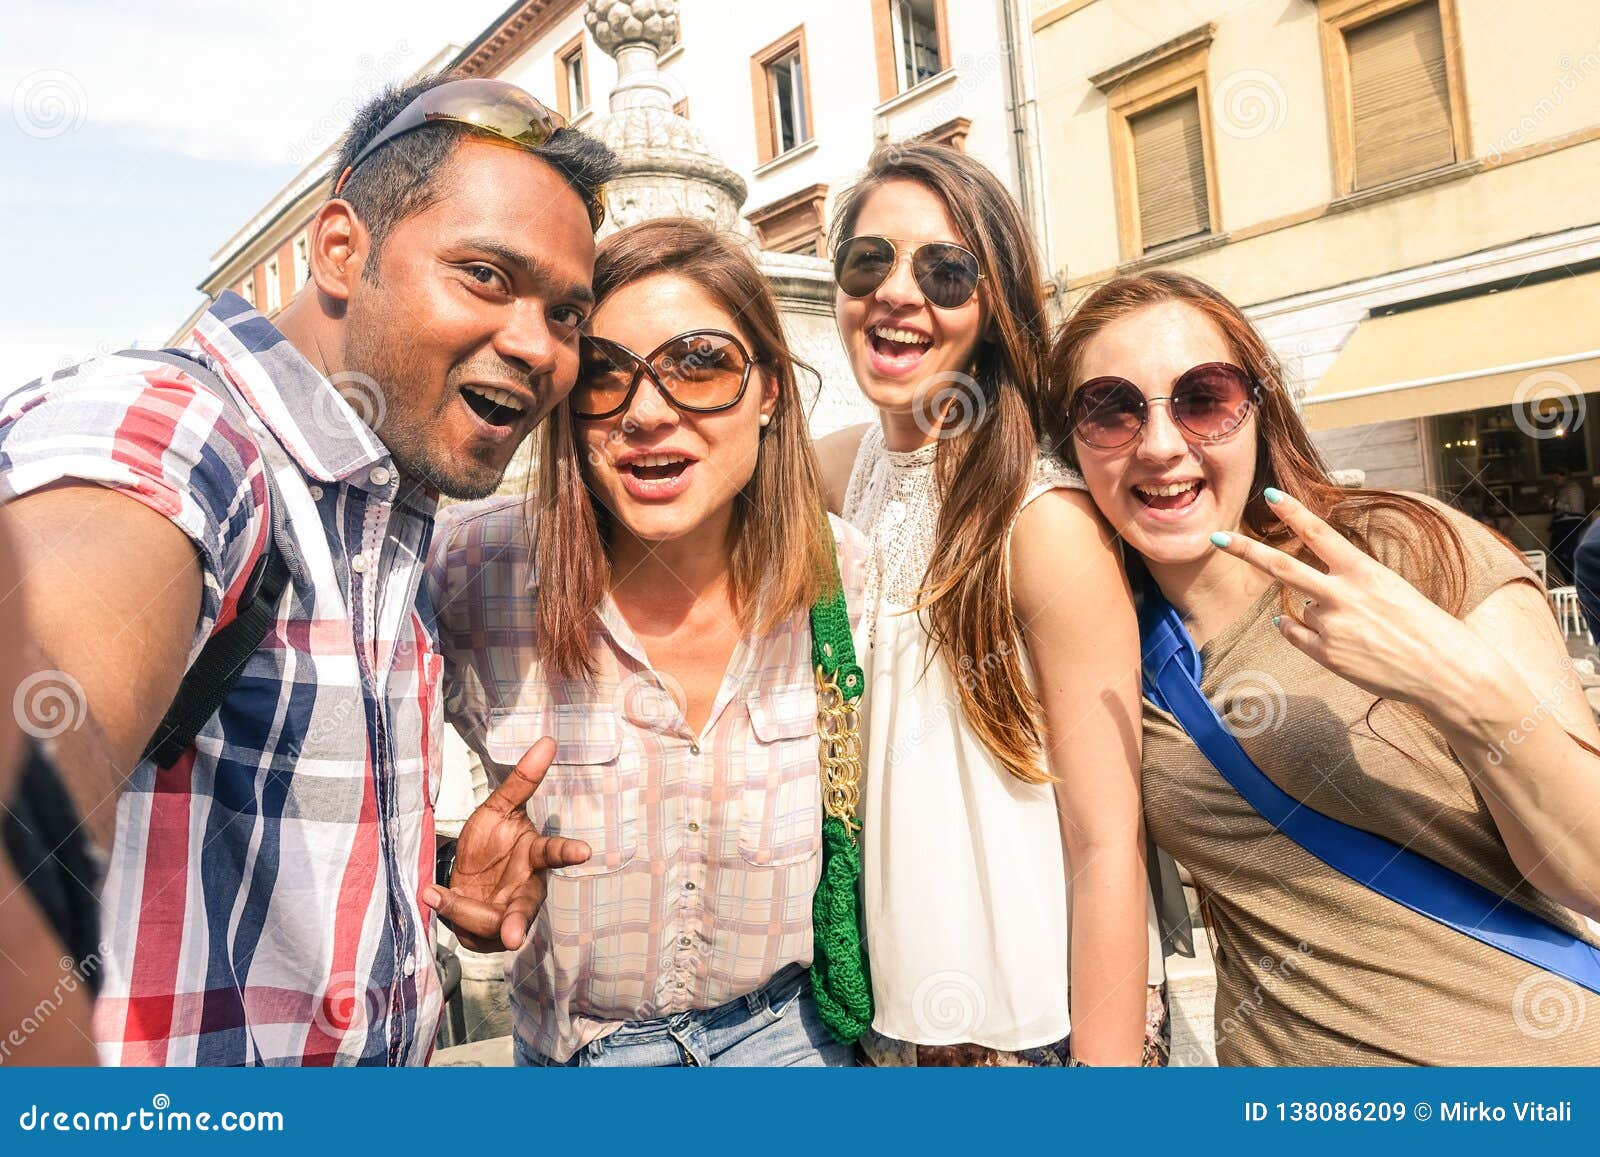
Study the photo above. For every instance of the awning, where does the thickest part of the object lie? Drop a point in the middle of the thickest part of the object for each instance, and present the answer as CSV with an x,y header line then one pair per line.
x,y
1517,345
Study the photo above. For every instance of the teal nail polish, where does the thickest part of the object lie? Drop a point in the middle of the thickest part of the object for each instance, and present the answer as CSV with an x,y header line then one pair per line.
x,y
1272,494
1220,538
1276,619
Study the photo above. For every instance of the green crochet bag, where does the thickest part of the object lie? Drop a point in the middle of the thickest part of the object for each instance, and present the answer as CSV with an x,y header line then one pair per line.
x,y
840,980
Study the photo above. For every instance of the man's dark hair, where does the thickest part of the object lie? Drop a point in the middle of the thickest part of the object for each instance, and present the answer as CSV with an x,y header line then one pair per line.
x,y
410,172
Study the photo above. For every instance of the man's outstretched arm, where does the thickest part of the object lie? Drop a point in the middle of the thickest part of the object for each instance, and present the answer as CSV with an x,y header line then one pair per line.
x,y
112,591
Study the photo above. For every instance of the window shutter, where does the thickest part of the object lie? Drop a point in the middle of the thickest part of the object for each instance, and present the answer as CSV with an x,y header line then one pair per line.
x,y
1399,96
1169,164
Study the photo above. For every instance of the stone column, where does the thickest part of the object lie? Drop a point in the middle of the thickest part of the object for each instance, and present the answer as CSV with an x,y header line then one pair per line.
x,y
668,169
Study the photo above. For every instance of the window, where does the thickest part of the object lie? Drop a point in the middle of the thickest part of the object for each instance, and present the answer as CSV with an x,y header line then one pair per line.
x,y
912,43
788,102
1396,101
794,224
916,42
572,78
1169,168
783,97
1160,109
274,287
302,260
247,287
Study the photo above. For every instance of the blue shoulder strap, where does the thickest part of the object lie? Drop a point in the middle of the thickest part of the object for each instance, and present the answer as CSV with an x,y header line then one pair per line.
x,y
1172,682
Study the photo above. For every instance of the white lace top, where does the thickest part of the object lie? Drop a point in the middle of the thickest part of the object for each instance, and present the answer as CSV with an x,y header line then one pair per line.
x,y
966,892
893,498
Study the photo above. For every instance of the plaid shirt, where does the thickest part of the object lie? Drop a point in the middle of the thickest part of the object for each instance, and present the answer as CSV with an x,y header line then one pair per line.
x,y
706,848
261,902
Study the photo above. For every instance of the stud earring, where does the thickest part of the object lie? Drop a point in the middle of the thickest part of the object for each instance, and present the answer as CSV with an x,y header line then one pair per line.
x,y
766,419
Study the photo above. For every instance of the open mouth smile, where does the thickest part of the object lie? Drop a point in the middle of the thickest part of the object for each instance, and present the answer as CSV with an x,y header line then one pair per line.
x,y
1169,499
495,407
657,476
896,349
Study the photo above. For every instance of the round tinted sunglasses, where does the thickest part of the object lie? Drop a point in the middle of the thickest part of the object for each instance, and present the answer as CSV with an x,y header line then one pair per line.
x,y
1208,402
702,371
947,274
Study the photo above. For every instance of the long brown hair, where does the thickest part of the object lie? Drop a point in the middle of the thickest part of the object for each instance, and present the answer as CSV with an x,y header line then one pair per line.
x,y
1285,455
984,462
783,559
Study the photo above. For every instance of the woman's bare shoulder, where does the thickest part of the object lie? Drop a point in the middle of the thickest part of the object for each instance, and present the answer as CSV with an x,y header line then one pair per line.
x,y
836,455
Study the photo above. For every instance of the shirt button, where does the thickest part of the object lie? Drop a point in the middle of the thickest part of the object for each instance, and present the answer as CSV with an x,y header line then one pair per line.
x,y
686,942
380,476
410,966
316,493
694,749
689,886
694,827
359,564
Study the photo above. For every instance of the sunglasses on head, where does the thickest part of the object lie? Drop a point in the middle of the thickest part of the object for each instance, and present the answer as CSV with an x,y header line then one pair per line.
x,y
947,274
494,107
1208,402
701,372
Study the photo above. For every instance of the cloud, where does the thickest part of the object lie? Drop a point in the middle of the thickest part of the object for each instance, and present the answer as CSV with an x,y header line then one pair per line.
x,y
228,80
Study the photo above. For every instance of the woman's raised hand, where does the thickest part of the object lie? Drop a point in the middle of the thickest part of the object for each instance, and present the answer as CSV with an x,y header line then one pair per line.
x,y
1360,619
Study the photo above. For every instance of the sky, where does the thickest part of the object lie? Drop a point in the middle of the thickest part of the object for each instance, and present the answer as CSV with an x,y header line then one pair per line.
x,y
139,135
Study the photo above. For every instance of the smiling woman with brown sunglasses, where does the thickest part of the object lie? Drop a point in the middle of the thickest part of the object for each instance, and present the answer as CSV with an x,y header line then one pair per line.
x,y
1006,896
651,609
1395,682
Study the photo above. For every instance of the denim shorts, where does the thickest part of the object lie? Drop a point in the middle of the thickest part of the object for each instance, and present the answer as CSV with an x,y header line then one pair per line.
x,y
775,1026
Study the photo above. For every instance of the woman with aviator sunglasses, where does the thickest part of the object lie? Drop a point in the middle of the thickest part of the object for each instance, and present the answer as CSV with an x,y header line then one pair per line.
x,y
1005,891
1396,685
650,609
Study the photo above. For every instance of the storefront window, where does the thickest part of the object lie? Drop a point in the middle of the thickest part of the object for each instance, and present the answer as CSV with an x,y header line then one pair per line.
x,y
1500,464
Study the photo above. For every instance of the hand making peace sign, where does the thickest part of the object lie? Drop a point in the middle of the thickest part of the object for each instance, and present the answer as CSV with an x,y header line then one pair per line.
x,y
1363,622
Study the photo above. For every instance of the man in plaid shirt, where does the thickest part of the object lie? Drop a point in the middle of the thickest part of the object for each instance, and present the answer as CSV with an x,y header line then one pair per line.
x,y
262,901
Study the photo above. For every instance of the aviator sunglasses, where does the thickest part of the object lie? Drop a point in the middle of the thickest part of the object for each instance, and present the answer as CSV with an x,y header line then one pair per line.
x,y
947,274
708,369
1208,402
490,106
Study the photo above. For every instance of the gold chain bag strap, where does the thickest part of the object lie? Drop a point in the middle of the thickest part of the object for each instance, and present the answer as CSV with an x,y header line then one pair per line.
x,y
840,980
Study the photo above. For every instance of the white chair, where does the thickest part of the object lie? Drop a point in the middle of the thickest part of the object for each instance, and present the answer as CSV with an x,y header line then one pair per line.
x,y
1569,613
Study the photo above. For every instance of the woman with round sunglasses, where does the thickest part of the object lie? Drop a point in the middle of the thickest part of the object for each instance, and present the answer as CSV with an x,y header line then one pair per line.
x,y
1386,663
1005,889
648,608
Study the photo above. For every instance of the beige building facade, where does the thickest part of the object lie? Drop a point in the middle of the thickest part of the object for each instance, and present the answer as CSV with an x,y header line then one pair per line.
x,y
1404,195
792,98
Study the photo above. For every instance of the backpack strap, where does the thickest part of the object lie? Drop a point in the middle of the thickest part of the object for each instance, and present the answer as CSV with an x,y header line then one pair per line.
x,y
221,661
1172,682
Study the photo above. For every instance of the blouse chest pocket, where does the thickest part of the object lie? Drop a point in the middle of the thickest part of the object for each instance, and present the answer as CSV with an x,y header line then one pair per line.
x,y
780,819
591,792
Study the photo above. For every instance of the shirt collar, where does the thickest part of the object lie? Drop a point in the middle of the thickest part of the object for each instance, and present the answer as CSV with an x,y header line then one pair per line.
x,y
316,425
